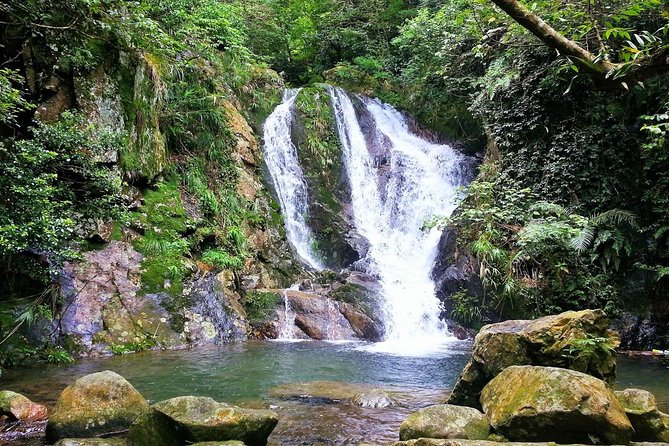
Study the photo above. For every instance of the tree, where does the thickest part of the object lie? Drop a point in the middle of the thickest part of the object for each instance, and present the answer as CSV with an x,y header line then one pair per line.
x,y
644,62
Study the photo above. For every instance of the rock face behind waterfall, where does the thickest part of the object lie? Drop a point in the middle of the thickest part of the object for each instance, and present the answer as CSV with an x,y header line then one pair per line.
x,y
575,340
105,308
319,317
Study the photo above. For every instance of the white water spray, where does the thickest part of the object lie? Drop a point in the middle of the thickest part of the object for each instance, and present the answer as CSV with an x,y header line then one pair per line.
x,y
421,182
288,178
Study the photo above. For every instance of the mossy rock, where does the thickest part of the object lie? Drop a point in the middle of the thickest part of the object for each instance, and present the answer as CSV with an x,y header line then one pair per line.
x,y
649,423
200,419
577,340
446,421
20,408
527,403
97,404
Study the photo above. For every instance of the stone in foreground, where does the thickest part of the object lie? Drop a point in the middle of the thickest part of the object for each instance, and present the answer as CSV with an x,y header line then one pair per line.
x,y
550,341
189,419
649,423
445,442
526,403
445,421
98,404
21,408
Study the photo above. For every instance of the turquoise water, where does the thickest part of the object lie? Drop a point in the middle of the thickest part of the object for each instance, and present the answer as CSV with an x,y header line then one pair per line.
x,y
308,383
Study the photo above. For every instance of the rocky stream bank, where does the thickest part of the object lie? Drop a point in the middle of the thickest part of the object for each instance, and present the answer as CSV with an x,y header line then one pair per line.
x,y
543,381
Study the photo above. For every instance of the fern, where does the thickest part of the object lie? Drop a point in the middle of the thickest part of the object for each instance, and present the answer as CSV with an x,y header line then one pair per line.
x,y
615,217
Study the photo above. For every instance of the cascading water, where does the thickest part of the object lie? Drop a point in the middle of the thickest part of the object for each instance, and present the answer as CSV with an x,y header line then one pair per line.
x,y
398,182
422,180
288,179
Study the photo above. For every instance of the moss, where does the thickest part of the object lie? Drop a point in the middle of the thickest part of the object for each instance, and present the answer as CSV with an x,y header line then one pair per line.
x,y
358,296
319,151
163,245
259,304
142,91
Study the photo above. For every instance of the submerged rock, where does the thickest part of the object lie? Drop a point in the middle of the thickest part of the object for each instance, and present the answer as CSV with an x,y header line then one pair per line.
x,y
98,404
527,403
445,421
374,398
577,340
649,423
199,419
21,408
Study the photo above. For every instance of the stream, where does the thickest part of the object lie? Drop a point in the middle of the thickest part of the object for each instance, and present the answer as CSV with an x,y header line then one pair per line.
x,y
310,384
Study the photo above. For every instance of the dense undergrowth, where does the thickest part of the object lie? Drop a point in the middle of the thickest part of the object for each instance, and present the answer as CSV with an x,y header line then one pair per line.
x,y
571,208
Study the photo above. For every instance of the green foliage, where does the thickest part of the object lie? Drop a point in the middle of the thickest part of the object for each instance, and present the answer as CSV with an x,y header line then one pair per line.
x,y
259,304
538,257
12,101
132,347
222,259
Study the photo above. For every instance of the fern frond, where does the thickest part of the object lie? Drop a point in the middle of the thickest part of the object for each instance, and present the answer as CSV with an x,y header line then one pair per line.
x,y
584,239
616,217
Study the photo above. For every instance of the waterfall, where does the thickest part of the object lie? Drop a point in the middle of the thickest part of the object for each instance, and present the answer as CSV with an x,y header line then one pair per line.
x,y
288,179
398,182
407,183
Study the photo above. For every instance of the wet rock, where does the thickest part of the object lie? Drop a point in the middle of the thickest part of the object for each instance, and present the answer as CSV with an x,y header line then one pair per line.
x,y
103,305
649,423
445,421
97,404
549,341
216,315
192,419
363,326
91,442
318,317
528,403
20,408
374,398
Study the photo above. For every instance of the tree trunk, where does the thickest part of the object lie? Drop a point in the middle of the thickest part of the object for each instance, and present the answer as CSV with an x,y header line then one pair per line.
x,y
599,69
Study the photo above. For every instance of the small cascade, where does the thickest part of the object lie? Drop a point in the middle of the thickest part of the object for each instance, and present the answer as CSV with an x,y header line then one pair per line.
x,y
288,326
406,183
288,179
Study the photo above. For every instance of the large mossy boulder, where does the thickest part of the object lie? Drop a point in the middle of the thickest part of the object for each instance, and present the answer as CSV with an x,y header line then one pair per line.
x,y
189,419
527,403
97,404
649,423
577,340
445,421
20,408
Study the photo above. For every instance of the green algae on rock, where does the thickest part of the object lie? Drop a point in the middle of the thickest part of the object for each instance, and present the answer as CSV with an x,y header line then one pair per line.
x,y
192,419
528,403
446,421
20,408
97,404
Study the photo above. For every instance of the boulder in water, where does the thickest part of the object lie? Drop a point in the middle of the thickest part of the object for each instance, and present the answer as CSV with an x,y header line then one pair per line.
x,y
649,423
577,340
374,398
97,404
527,403
446,421
21,408
200,419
